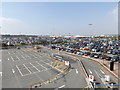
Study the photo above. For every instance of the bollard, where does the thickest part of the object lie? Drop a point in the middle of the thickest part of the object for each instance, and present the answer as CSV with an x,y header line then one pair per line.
x,y
112,65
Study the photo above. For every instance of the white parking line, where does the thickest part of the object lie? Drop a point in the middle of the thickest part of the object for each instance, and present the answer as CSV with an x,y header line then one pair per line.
x,y
8,59
13,70
28,56
35,67
102,71
61,86
1,74
76,71
44,62
23,57
45,68
37,72
0,60
48,60
19,70
27,68
90,71
33,55
41,65
17,57
12,58
9,53
97,73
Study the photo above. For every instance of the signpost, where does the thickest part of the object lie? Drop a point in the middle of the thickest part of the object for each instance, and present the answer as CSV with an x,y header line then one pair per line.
x,y
67,63
91,78
107,78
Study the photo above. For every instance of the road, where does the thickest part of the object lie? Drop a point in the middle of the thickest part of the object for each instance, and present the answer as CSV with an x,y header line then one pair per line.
x,y
92,68
74,79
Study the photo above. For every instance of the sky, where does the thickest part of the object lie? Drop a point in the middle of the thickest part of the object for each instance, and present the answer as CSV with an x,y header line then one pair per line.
x,y
59,18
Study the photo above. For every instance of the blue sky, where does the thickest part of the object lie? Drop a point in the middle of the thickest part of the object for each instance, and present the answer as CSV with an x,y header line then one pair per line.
x,y
51,18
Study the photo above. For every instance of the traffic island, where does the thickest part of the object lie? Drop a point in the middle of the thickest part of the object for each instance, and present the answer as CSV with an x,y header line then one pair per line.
x,y
60,66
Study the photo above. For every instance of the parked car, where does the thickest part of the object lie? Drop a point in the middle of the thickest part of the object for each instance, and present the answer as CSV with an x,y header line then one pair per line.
x,y
115,58
87,53
115,52
82,53
108,58
102,56
109,51
96,55
92,54
18,47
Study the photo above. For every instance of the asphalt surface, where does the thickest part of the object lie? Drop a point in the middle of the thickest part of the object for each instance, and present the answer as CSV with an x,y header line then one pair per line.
x,y
74,79
22,68
92,68
0,69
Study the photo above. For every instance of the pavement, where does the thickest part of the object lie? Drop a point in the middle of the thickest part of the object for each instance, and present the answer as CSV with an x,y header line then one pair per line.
x,y
22,68
92,68
74,79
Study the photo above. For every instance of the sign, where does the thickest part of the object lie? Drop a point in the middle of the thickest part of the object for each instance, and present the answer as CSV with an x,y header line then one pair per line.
x,y
107,78
91,78
66,62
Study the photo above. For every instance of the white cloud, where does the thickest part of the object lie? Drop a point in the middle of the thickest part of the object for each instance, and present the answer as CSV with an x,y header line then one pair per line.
x,y
115,13
9,20
11,25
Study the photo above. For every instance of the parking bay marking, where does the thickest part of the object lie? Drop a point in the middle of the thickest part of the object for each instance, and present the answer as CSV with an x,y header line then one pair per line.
x,y
76,71
17,57
12,58
23,57
90,71
97,73
102,72
1,74
41,65
27,68
44,67
19,70
61,86
13,70
35,67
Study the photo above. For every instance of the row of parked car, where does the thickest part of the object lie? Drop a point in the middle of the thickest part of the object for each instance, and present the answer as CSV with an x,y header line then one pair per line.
x,y
106,46
100,55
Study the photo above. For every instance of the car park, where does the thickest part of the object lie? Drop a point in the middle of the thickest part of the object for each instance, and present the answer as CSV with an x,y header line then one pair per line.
x,y
102,49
